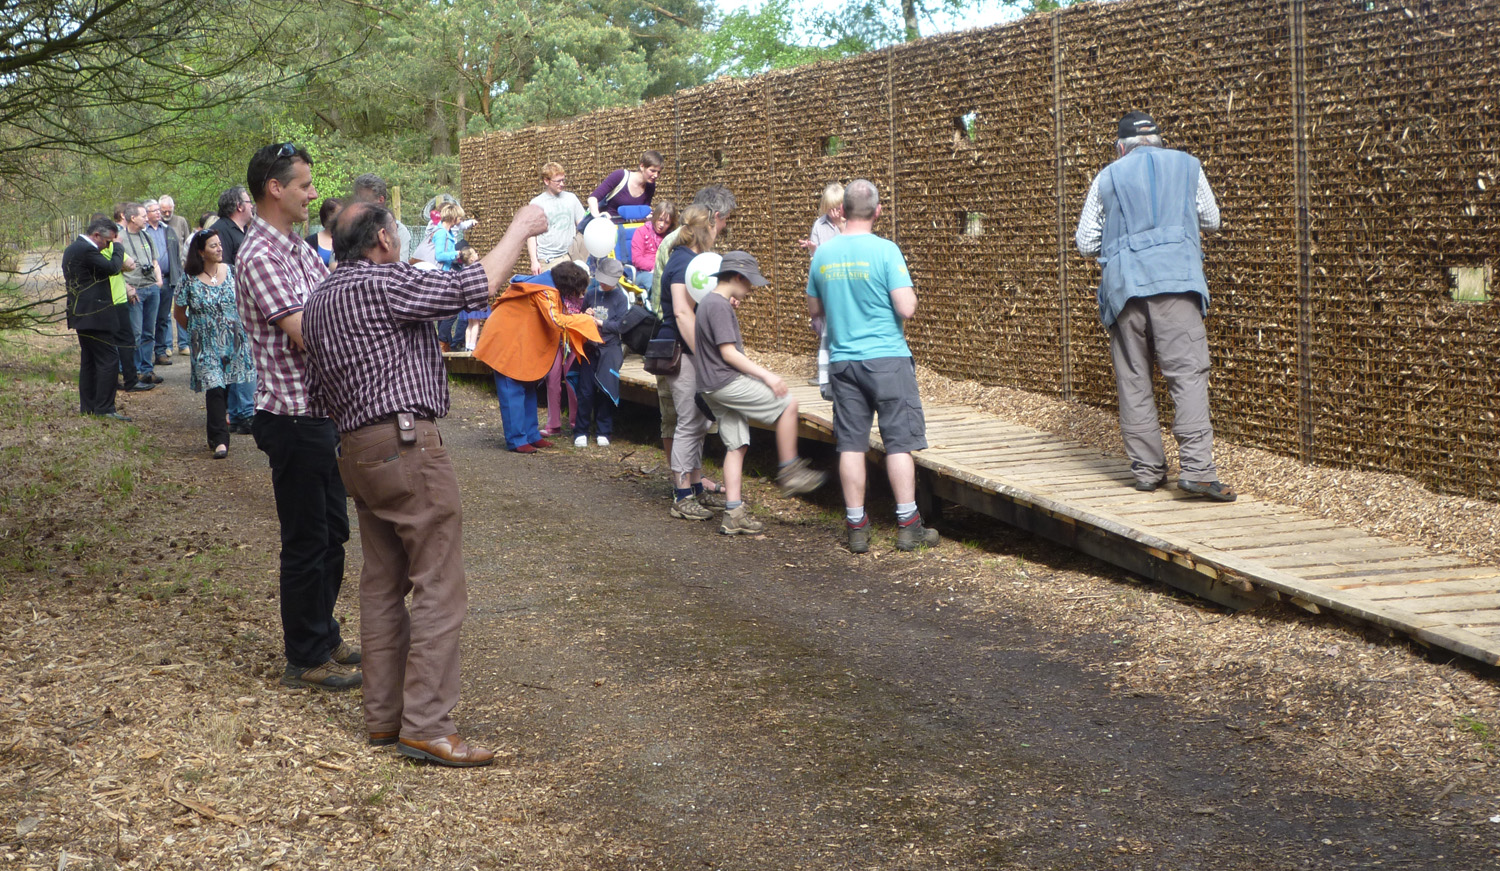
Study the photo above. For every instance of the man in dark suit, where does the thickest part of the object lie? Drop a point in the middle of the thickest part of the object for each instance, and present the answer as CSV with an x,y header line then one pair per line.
x,y
94,313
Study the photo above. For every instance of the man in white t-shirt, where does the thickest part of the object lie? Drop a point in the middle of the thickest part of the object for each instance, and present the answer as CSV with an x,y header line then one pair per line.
x,y
563,211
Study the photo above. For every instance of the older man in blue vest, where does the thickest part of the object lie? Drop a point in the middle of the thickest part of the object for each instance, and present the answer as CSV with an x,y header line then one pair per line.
x,y
1143,218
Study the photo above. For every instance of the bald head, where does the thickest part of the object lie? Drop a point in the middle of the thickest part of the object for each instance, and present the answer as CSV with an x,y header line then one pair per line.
x,y
365,230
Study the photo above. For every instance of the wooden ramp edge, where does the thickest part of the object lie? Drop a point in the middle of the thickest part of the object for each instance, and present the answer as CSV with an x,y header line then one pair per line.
x,y
1239,554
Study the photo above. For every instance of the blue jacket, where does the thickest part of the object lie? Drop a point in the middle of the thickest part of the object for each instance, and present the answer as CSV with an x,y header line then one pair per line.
x,y
1151,243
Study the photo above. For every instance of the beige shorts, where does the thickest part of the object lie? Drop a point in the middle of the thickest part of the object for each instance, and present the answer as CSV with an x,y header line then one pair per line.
x,y
668,408
740,401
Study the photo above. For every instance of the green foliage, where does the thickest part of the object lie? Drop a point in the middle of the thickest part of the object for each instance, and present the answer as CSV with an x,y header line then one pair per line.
x,y
749,42
782,33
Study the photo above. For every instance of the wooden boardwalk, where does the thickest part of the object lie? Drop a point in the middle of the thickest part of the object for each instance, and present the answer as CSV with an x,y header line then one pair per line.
x,y
1239,554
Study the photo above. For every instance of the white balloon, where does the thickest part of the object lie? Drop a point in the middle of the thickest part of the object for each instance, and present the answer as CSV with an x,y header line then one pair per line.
x,y
599,236
700,275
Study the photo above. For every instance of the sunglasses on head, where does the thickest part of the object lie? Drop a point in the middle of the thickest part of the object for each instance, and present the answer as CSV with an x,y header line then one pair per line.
x,y
286,150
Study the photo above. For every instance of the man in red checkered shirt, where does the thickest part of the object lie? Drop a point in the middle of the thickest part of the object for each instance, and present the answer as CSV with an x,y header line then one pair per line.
x,y
275,270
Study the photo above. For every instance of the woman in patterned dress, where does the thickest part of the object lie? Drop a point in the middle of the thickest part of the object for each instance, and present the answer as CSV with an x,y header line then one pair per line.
x,y
221,350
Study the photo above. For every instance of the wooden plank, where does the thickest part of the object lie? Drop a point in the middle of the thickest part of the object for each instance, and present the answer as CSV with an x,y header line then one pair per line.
x,y
1000,446
1054,464
978,429
1393,559
1217,525
1358,570
1044,478
1287,533
1426,576
1444,605
1346,548
1187,508
1003,460
1476,586
1469,619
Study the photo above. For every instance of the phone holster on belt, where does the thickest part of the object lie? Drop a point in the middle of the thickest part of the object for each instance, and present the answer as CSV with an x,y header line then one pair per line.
x,y
406,426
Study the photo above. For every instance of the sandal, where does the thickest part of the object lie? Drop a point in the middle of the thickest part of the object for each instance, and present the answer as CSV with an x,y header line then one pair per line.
x,y
716,488
1151,486
1212,489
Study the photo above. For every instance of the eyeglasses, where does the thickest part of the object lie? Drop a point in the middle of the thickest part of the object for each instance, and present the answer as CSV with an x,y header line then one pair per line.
x,y
286,150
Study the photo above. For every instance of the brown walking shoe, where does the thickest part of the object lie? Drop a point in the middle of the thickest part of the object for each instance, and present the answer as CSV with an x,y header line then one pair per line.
x,y
739,522
799,477
328,676
346,654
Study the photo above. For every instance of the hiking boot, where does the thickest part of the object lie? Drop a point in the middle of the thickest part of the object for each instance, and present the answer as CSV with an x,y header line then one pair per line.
x,y
912,535
739,522
712,501
859,536
346,654
687,508
799,477
328,676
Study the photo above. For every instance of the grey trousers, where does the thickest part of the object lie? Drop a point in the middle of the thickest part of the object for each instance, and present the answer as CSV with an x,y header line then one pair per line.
x,y
1171,325
692,425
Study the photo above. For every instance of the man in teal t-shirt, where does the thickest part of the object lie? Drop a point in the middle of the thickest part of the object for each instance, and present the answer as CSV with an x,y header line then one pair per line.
x,y
860,284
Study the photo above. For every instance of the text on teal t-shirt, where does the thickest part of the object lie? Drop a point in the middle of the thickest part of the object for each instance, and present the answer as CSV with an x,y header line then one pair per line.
x,y
854,276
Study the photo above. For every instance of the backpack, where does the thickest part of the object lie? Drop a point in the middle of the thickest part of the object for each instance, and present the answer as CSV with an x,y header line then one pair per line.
x,y
638,327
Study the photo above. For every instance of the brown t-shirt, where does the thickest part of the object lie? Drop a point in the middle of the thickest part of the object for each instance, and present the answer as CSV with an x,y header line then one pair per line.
x,y
716,325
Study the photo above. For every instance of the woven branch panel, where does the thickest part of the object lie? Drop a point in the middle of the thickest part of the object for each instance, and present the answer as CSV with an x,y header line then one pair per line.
x,y
1405,160
975,179
962,135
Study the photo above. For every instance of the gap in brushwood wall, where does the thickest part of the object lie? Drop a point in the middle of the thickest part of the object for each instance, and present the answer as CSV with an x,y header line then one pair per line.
x,y
1354,147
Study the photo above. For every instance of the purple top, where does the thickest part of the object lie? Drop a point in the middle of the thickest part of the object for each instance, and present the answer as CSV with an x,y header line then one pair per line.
x,y
624,197
371,347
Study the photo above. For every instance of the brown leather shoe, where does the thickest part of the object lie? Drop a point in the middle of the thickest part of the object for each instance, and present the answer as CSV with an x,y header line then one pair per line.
x,y
384,739
450,751
346,654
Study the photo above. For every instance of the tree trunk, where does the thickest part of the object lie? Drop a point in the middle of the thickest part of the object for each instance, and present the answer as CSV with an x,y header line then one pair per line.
x,y
438,132
909,13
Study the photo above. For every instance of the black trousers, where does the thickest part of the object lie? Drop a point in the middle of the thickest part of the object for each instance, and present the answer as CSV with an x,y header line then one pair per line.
x,y
98,358
312,506
217,400
124,341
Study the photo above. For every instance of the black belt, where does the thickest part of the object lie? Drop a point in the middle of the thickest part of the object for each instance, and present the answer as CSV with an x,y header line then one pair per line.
x,y
391,418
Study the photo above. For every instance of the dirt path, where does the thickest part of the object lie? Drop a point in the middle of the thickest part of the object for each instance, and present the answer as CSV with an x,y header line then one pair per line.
x,y
666,697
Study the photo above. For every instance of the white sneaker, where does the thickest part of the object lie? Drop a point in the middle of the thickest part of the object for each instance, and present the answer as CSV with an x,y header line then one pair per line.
x,y
581,441
603,441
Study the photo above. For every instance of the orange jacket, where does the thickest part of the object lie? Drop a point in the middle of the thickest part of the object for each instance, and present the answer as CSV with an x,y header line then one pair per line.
x,y
520,336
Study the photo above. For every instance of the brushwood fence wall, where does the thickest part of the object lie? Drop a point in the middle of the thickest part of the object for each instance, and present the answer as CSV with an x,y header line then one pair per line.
x,y
1354,146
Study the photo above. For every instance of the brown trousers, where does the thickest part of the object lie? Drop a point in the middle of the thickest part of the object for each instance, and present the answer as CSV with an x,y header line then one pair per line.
x,y
410,531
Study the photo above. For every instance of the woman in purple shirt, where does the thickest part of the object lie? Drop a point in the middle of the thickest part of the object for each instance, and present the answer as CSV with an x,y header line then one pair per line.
x,y
627,187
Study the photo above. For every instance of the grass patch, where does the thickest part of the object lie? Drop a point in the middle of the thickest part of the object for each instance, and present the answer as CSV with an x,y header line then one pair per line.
x,y
69,479
1482,731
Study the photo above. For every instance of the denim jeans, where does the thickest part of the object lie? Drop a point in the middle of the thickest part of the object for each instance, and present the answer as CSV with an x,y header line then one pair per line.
x,y
242,400
448,331
143,319
517,410
163,331
310,503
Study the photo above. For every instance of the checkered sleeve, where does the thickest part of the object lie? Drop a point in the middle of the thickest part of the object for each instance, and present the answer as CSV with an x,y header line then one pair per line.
x,y
428,294
1208,207
1090,222
272,290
